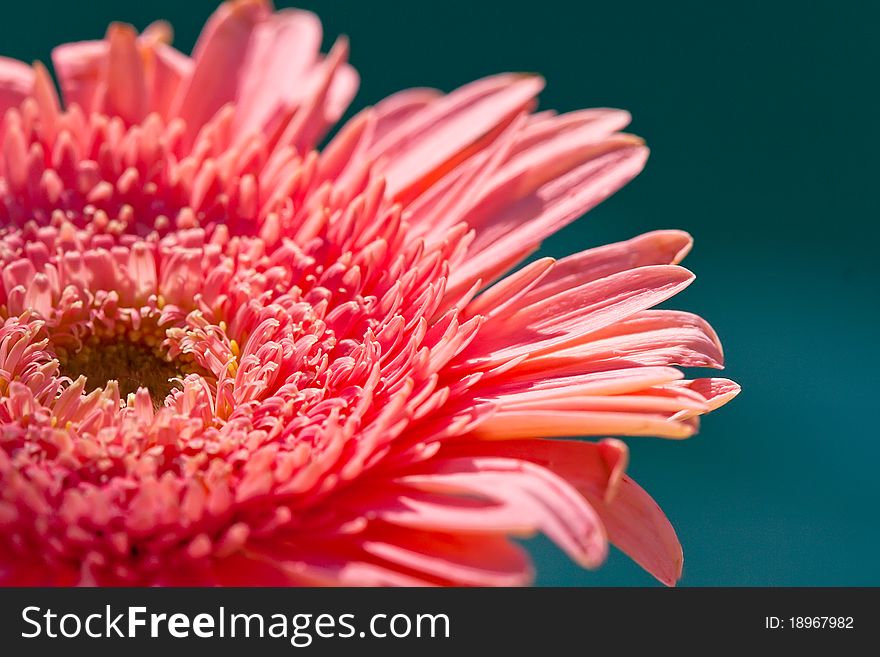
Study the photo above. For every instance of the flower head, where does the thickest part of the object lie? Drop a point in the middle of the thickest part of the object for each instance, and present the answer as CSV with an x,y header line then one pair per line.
x,y
229,358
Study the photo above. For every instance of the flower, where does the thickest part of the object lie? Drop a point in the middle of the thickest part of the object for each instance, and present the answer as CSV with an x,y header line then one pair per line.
x,y
228,358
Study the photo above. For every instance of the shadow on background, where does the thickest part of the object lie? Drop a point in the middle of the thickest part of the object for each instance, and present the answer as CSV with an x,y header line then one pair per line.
x,y
763,128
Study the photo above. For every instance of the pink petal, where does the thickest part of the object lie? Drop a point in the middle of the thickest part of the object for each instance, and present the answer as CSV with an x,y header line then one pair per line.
x,y
171,69
638,526
603,382
461,559
590,124
126,81
410,507
441,207
16,82
543,499
716,392
219,56
430,143
540,199
661,247
323,563
334,86
502,296
649,338
634,522
569,315
347,151
80,69
508,424
282,53
397,109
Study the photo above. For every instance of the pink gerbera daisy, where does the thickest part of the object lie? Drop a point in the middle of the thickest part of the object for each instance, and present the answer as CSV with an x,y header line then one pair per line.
x,y
228,358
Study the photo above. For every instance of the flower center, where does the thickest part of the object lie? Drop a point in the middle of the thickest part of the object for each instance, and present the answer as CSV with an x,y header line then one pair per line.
x,y
130,350
132,365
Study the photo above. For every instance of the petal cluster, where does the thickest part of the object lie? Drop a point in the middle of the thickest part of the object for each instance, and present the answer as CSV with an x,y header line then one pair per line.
x,y
229,358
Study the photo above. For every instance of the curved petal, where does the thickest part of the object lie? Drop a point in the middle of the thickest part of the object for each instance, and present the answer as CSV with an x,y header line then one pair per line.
x,y
546,209
544,500
397,109
461,559
634,522
420,150
281,55
80,69
660,247
219,56
16,82
127,93
568,316
716,392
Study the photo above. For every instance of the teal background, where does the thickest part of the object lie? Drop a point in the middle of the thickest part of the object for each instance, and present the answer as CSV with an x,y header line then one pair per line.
x,y
762,119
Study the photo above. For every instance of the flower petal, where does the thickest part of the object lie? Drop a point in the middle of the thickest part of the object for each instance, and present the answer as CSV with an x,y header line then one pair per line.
x,y
634,522
219,55
397,109
423,148
80,69
661,247
283,51
648,338
543,499
16,82
126,82
539,193
461,559
716,392
569,315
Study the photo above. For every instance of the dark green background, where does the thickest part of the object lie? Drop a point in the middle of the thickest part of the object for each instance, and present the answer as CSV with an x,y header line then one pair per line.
x,y
763,123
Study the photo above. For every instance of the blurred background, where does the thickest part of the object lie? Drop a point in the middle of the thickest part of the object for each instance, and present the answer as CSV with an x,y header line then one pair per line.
x,y
763,124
